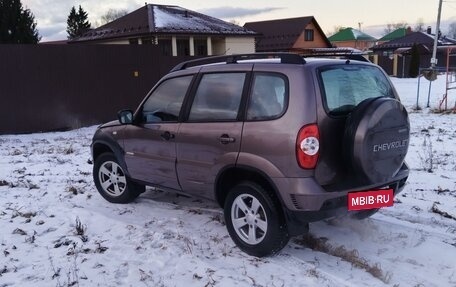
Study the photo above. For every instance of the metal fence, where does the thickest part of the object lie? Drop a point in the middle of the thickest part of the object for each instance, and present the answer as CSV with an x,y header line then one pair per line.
x,y
59,87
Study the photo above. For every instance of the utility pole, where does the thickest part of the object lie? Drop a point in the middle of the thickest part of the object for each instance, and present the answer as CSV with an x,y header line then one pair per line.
x,y
436,38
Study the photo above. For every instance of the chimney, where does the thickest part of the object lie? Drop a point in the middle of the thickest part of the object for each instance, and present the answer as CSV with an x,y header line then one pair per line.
x,y
409,30
429,30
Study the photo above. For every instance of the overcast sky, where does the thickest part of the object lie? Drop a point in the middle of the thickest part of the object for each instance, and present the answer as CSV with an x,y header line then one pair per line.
x,y
372,15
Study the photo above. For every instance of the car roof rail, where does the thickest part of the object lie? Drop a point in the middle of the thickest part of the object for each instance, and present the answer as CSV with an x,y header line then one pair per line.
x,y
342,53
285,58
355,57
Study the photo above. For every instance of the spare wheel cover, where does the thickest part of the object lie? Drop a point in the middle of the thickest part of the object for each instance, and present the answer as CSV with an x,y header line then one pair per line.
x,y
377,138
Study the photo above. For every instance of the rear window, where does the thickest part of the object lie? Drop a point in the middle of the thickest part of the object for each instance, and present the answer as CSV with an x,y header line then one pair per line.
x,y
345,86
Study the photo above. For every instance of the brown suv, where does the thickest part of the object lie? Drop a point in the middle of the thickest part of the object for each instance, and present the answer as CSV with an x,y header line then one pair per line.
x,y
277,140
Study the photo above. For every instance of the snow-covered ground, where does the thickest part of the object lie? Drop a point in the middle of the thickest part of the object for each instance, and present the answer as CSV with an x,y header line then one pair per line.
x,y
55,229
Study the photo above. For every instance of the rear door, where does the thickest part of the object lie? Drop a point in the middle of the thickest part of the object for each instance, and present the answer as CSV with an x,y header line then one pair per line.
x,y
210,139
343,87
149,144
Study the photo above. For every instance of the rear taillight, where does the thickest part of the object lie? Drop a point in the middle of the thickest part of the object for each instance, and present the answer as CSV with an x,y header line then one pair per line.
x,y
308,146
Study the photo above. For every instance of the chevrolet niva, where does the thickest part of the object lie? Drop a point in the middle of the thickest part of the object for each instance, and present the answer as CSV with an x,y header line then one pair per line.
x,y
276,139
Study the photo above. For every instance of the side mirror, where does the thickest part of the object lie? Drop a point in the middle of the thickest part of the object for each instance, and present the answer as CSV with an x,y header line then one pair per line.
x,y
125,117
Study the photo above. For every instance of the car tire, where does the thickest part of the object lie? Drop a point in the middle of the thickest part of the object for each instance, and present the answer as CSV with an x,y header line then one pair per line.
x,y
255,220
112,182
376,139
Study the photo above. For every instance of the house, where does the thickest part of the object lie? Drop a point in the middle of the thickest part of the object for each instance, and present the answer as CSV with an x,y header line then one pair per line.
x,y
353,38
288,35
398,33
394,56
423,39
178,32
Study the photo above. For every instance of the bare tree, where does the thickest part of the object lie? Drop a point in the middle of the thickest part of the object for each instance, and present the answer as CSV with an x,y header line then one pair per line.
x,y
336,30
112,15
419,27
452,30
390,27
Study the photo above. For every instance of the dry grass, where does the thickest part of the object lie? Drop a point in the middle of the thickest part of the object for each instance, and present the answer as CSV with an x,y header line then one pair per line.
x,y
445,214
80,230
351,256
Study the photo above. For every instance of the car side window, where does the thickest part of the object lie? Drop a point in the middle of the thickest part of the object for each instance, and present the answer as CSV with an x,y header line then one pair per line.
x,y
165,102
268,97
218,97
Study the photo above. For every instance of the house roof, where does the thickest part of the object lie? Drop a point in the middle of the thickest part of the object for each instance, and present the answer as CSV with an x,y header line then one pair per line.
x,y
350,34
58,42
398,33
282,34
163,19
422,49
414,38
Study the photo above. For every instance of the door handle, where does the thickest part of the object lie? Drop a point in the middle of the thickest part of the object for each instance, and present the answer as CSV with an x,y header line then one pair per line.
x,y
167,136
226,139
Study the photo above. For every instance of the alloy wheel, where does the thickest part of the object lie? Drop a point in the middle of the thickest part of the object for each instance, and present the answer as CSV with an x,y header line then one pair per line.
x,y
249,219
112,178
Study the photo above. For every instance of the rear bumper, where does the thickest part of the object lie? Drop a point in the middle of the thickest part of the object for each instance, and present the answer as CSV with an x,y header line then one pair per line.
x,y
309,202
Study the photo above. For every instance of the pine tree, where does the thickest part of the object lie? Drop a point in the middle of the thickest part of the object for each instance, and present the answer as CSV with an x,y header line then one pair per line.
x,y
17,25
77,23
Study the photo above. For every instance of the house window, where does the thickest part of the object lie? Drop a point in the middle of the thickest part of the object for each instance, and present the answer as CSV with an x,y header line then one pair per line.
x,y
147,41
308,34
388,54
165,47
183,47
133,41
200,47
